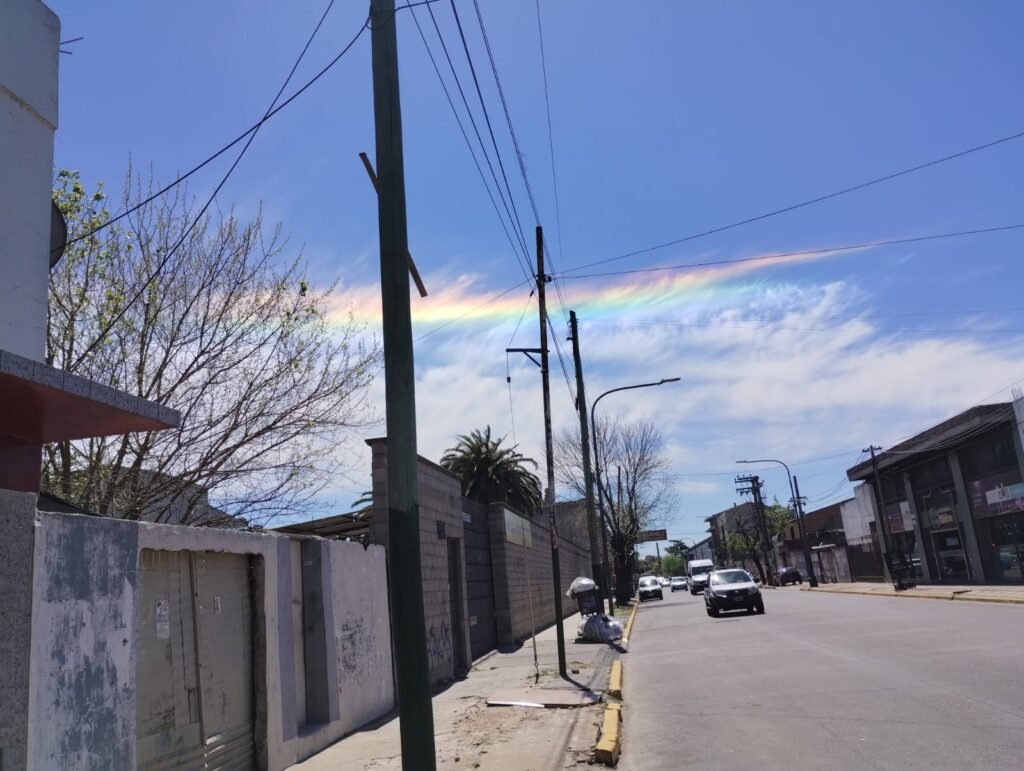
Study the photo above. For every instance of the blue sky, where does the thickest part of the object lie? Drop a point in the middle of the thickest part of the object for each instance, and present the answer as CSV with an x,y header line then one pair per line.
x,y
668,118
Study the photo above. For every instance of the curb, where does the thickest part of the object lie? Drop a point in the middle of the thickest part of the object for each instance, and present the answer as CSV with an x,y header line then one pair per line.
x,y
609,743
950,598
615,680
629,625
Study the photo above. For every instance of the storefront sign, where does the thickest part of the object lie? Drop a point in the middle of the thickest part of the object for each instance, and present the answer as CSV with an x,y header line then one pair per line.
x,y
996,494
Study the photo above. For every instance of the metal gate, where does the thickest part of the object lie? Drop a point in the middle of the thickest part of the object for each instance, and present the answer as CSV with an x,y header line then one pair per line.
x,y
194,683
483,633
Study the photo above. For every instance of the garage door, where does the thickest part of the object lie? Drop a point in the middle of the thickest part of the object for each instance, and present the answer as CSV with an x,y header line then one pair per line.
x,y
194,700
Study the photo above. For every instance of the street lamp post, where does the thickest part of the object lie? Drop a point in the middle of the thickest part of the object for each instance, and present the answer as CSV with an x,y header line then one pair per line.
x,y
600,489
799,517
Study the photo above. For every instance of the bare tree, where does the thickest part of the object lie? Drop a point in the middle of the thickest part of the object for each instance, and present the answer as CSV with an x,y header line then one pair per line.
x,y
230,333
632,453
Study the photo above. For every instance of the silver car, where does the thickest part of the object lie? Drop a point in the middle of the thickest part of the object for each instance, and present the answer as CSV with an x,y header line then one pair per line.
x,y
732,589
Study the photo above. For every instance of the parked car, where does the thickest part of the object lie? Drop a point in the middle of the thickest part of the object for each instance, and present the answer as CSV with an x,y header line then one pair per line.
x,y
732,589
698,573
677,583
650,588
788,575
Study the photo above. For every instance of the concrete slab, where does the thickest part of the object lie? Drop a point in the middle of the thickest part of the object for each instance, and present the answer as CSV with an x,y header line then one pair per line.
x,y
542,697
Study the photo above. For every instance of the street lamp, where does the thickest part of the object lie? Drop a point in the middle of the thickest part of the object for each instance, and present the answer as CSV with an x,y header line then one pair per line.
x,y
597,474
811,580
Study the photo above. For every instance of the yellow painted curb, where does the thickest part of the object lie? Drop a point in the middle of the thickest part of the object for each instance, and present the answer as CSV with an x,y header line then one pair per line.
x,y
629,623
609,743
615,680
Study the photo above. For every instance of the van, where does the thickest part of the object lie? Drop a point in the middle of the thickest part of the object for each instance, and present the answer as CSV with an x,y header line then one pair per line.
x,y
698,571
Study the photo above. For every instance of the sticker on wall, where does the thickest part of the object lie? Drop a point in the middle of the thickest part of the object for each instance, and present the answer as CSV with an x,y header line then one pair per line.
x,y
216,605
163,620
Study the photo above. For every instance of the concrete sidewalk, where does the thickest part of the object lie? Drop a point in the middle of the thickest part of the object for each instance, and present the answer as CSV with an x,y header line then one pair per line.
x,y
971,593
469,734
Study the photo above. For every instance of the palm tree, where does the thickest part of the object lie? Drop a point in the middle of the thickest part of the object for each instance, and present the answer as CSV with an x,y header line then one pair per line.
x,y
492,474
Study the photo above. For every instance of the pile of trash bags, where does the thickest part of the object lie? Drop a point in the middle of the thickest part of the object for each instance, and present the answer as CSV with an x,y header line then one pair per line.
x,y
596,627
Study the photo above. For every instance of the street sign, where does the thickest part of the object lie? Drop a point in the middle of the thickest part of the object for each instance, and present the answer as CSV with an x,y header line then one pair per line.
x,y
651,535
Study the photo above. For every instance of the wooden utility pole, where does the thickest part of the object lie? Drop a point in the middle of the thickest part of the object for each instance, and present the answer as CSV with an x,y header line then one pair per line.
x,y
883,525
412,673
588,477
549,451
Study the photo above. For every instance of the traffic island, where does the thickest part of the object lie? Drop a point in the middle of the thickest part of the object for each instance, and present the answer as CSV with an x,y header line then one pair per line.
x,y
1009,595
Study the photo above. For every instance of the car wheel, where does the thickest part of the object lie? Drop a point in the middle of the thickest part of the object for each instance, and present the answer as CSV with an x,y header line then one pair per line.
x,y
750,610
713,612
799,580
760,608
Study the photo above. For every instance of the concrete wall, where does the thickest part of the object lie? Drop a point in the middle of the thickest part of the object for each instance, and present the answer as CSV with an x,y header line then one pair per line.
x,y
523,595
440,520
17,525
82,690
29,37
858,514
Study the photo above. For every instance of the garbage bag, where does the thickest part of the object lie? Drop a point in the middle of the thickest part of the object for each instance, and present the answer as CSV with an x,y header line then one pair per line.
x,y
599,628
579,585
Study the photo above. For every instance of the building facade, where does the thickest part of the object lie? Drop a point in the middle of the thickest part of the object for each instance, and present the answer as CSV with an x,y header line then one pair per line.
x,y
952,499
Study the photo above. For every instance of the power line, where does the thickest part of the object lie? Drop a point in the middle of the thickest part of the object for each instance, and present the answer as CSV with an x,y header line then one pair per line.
x,y
209,201
793,207
465,136
524,257
519,323
241,137
474,309
804,253
487,119
551,141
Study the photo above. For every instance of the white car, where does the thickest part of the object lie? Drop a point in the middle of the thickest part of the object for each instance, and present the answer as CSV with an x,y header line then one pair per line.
x,y
663,581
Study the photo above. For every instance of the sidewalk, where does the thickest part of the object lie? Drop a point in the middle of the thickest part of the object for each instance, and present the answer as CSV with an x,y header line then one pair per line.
x,y
971,593
469,734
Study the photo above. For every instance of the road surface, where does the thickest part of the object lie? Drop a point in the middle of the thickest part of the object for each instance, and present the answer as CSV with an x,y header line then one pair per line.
x,y
825,681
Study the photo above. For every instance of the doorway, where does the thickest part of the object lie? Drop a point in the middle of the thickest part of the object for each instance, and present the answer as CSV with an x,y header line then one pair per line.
x,y
949,556
460,662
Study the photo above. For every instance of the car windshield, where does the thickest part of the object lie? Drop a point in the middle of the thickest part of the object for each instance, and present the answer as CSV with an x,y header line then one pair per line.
x,y
701,570
677,579
648,581
730,577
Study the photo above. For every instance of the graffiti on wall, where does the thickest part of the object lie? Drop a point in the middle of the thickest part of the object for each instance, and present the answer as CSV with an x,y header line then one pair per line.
x,y
439,644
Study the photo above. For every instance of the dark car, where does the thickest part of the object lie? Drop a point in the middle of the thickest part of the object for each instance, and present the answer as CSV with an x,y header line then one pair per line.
x,y
650,588
788,575
732,589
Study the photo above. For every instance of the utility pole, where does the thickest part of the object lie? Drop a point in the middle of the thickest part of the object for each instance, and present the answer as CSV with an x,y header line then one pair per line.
x,y
549,449
798,502
588,478
412,674
752,484
657,549
883,528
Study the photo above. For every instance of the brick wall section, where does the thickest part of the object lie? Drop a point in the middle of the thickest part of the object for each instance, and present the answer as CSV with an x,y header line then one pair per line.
x,y
523,592
440,494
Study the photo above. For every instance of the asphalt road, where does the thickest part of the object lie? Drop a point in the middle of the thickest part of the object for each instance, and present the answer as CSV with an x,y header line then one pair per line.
x,y
825,681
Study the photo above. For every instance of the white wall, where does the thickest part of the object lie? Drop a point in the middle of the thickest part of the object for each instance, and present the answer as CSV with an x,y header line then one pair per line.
x,y
29,38
857,515
82,686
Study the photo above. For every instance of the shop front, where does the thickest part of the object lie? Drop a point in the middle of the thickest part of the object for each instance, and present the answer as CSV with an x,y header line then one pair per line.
x,y
936,503
997,503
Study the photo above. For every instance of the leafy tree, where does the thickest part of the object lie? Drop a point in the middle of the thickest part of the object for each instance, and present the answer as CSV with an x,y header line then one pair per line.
x,y
678,548
637,451
493,474
228,331
744,542
673,565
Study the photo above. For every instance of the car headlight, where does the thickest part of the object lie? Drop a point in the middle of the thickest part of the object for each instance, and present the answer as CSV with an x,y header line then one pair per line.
x,y
753,590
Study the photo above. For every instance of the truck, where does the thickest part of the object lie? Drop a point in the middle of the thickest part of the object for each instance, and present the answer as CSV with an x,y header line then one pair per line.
x,y
698,571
